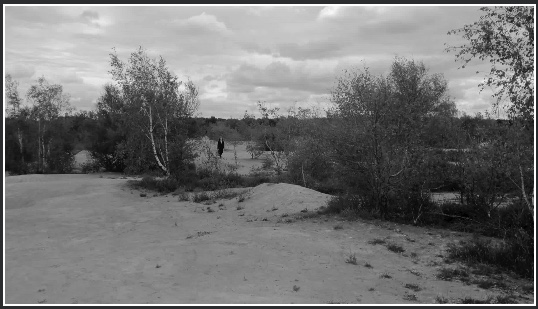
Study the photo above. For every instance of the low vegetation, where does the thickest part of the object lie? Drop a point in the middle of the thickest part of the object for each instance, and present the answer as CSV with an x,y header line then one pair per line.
x,y
449,274
351,259
413,287
395,248
508,255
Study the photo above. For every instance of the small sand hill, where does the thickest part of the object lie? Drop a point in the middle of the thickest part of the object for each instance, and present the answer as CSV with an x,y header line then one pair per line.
x,y
275,199
82,157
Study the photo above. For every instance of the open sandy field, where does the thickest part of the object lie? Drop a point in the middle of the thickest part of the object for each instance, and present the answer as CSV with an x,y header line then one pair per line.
x,y
90,239
244,162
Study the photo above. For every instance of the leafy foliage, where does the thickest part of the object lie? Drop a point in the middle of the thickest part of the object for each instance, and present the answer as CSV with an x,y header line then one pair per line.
x,y
153,103
505,37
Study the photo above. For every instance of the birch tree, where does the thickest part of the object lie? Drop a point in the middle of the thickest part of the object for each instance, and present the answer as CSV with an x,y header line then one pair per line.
x,y
154,99
504,36
49,102
13,109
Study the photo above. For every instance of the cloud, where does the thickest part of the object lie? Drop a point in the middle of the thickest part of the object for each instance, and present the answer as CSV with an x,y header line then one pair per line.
x,y
237,55
70,78
278,76
201,24
253,47
311,50
259,10
330,12
19,71
89,16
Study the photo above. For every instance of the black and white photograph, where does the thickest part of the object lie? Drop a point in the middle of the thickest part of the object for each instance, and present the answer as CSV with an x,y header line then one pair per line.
x,y
269,154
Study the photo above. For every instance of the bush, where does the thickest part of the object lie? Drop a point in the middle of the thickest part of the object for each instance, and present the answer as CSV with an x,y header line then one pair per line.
x,y
516,254
448,274
309,164
92,166
61,162
254,151
165,185
267,163
255,180
201,197
338,204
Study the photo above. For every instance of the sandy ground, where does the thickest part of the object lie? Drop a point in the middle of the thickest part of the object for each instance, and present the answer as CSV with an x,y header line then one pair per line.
x,y
90,239
244,162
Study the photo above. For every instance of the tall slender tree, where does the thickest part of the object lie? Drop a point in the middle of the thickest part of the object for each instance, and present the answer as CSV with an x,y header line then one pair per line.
x,y
49,102
13,109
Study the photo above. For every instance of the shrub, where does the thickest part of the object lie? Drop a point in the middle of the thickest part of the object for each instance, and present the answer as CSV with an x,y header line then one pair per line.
x,y
441,299
309,165
516,254
184,196
267,163
92,166
164,185
448,274
413,287
254,150
61,162
201,197
395,248
339,203
225,194
377,241
351,259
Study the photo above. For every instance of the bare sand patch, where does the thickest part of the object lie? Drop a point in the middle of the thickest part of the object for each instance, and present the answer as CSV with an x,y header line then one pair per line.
x,y
82,239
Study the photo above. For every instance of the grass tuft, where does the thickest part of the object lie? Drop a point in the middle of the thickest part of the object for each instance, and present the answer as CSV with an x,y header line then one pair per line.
x,y
510,256
377,241
351,259
441,299
413,287
395,248
385,275
448,274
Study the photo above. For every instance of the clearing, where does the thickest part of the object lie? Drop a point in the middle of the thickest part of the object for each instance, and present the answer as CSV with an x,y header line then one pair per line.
x,y
90,239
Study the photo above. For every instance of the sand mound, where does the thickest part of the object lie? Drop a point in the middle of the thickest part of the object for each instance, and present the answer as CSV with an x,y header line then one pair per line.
x,y
276,199
82,157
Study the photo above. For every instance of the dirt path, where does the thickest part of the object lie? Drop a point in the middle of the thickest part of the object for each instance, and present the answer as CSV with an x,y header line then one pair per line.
x,y
88,240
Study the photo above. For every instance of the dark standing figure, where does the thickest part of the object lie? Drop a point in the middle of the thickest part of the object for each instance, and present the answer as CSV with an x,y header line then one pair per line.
x,y
220,146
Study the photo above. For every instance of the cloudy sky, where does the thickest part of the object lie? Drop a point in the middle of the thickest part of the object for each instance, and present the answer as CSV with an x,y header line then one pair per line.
x,y
238,55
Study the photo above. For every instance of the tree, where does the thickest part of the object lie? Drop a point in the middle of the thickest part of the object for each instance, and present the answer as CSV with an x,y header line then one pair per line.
x,y
12,98
153,100
505,37
49,102
378,132
108,131
13,110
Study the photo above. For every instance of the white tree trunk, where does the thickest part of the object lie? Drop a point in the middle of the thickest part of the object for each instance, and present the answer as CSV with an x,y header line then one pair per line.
x,y
526,199
19,138
165,170
166,158
39,163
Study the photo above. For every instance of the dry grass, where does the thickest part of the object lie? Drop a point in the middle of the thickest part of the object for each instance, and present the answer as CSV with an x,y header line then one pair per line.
x,y
413,287
377,241
351,259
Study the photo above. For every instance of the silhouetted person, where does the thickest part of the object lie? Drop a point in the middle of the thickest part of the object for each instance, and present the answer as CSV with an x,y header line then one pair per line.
x,y
220,146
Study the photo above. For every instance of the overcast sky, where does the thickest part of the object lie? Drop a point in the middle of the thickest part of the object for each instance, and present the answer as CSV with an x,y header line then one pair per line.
x,y
238,55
